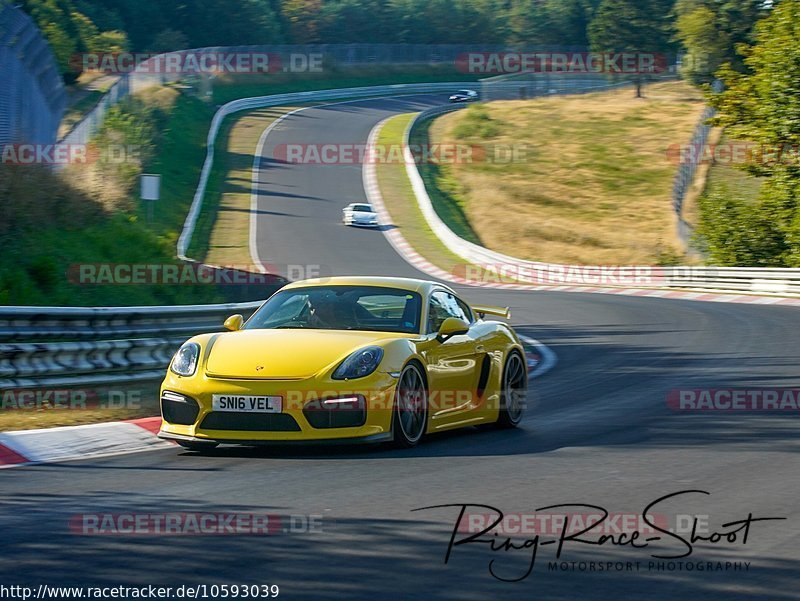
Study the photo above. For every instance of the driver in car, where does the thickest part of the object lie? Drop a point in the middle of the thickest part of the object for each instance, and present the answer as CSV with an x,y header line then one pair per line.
x,y
328,314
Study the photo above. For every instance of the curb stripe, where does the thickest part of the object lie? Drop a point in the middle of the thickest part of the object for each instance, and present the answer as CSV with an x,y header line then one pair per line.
x,y
69,443
151,424
9,457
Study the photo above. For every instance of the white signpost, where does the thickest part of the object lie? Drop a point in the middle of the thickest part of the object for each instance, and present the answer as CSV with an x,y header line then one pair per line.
x,y
150,191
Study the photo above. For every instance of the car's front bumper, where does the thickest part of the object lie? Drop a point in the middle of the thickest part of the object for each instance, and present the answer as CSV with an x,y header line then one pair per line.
x,y
300,407
363,224
372,439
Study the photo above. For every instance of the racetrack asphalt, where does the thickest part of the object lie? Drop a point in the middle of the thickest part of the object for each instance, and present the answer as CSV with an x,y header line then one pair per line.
x,y
598,431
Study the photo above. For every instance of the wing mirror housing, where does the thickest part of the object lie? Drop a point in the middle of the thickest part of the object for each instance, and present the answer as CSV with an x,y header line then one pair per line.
x,y
234,323
452,326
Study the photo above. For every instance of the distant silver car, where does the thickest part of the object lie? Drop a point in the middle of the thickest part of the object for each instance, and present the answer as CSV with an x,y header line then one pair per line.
x,y
360,214
464,96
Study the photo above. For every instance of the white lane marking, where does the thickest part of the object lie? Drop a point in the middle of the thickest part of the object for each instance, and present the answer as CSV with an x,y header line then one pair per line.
x,y
549,358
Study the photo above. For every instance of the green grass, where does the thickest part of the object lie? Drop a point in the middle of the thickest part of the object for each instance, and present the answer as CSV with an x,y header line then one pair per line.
x,y
204,227
227,242
53,221
477,123
40,268
402,205
179,160
443,188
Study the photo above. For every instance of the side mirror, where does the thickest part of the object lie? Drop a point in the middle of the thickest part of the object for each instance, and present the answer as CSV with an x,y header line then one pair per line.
x,y
452,326
234,323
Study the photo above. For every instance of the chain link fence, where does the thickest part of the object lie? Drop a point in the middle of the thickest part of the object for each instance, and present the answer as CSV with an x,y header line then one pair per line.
x,y
531,85
687,168
32,95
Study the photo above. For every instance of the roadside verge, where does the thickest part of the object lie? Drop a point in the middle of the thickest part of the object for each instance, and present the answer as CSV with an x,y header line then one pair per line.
x,y
424,241
68,443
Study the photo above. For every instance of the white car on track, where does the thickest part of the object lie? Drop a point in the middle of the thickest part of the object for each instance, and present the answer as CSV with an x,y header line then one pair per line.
x,y
360,214
464,96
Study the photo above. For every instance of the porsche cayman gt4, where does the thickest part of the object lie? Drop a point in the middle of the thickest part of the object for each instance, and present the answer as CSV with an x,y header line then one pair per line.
x,y
346,359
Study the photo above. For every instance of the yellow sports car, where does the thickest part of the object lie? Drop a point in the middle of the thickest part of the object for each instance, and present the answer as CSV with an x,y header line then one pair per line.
x,y
346,359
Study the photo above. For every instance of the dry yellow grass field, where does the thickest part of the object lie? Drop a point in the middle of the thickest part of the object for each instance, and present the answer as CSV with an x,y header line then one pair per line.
x,y
595,184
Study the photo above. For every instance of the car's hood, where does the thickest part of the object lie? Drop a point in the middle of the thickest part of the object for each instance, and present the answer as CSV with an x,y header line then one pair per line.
x,y
364,215
289,353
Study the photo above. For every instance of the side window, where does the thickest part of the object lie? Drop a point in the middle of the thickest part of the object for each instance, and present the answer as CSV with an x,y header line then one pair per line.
x,y
468,317
444,305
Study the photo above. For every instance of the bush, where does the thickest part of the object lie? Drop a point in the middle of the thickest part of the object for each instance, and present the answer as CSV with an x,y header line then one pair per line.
x,y
477,123
735,232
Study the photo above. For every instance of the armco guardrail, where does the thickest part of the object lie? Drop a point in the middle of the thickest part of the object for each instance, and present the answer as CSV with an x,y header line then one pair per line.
x,y
785,282
244,104
47,347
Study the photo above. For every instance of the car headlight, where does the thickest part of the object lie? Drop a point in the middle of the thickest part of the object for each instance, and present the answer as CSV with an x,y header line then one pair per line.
x,y
184,363
359,364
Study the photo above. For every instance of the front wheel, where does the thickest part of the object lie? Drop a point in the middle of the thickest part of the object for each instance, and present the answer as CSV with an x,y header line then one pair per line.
x,y
410,415
514,392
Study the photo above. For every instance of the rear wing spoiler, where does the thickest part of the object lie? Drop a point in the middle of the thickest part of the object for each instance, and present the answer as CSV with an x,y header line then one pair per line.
x,y
483,310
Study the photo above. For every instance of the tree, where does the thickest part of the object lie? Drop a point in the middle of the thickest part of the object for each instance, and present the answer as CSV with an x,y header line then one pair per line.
x,y
631,26
554,23
733,232
762,105
169,40
302,18
710,31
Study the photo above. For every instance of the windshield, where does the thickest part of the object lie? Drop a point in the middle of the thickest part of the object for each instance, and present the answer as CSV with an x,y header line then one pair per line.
x,y
363,208
370,308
